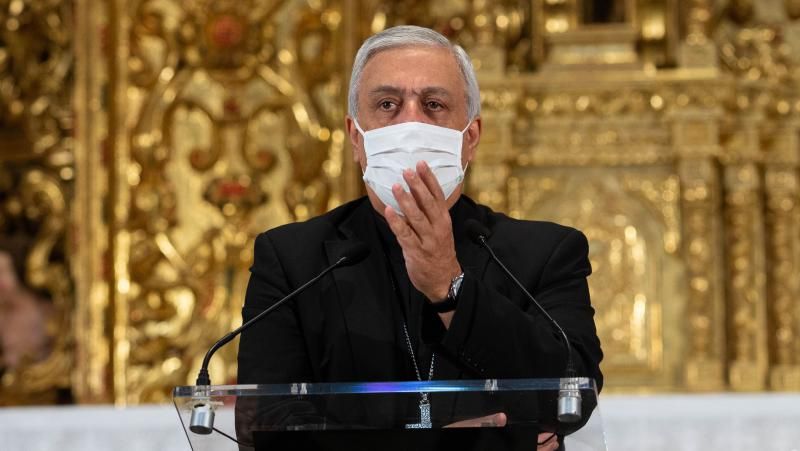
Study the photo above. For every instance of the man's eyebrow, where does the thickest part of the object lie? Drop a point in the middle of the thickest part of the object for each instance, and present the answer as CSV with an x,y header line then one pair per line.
x,y
435,90
388,89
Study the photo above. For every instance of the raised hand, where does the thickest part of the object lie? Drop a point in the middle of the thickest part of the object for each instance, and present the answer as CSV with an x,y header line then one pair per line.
x,y
425,233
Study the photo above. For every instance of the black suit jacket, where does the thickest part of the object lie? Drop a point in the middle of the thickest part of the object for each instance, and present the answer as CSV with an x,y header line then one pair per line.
x,y
341,329
345,328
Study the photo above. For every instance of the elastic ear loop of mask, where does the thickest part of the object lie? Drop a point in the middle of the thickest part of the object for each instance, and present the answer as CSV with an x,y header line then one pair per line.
x,y
462,132
358,127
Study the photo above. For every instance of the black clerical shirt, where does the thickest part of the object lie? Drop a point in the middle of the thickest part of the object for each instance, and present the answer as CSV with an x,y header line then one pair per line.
x,y
409,305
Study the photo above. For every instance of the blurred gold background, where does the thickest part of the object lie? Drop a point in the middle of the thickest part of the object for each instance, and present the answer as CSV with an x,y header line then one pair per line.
x,y
144,143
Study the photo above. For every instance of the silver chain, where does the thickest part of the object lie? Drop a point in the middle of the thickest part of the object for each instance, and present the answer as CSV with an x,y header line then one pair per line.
x,y
414,358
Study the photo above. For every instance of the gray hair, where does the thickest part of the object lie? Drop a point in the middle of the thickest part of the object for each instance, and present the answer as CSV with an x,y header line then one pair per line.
x,y
410,35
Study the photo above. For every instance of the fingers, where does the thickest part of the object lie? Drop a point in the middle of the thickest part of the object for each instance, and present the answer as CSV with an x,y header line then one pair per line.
x,y
406,237
408,205
424,232
426,191
429,178
496,420
424,206
547,441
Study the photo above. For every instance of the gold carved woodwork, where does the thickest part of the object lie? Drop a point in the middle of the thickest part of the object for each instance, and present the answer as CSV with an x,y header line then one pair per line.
x,y
705,365
156,138
37,196
627,165
632,224
782,186
746,279
619,34
36,183
235,127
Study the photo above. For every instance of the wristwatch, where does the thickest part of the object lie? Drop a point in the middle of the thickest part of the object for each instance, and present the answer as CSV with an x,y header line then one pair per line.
x,y
449,302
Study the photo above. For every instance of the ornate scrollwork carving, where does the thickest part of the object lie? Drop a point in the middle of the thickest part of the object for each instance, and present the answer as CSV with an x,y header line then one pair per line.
x,y
35,212
625,223
36,63
237,101
224,118
36,168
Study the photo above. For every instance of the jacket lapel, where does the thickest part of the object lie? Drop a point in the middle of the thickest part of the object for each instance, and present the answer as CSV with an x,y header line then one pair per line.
x,y
364,296
472,257
365,289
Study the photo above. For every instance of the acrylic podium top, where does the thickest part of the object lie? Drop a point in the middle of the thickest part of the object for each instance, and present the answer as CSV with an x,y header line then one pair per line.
x,y
345,388
321,413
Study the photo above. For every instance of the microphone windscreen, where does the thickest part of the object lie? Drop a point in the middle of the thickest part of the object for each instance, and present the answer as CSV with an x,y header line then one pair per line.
x,y
476,230
354,253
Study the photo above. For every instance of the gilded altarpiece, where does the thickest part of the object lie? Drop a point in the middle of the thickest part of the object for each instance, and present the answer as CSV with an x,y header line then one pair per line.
x,y
146,142
37,185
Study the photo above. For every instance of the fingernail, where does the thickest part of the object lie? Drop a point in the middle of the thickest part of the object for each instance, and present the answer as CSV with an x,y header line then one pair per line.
x,y
408,173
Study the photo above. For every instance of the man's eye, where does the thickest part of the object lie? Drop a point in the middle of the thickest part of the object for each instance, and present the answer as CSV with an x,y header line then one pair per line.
x,y
386,105
434,105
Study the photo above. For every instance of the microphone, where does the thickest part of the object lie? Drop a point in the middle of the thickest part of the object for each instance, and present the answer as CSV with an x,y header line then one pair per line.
x,y
202,420
569,396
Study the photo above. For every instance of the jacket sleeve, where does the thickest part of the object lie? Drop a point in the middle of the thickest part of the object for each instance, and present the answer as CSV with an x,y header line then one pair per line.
x,y
488,327
272,350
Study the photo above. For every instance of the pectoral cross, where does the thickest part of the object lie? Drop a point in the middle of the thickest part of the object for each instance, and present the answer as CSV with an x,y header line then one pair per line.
x,y
424,414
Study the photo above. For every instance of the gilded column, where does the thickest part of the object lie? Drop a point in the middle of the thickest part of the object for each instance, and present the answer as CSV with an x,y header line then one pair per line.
x,y
550,17
488,177
697,50
745,260
119,196
695,135
91,383
782,186
698,18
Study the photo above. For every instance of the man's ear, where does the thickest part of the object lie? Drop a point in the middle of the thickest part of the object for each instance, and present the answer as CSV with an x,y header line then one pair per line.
x,y
356,140
472,137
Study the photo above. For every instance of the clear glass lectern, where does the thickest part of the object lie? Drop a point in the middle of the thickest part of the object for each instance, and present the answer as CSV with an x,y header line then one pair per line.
x,y
434,415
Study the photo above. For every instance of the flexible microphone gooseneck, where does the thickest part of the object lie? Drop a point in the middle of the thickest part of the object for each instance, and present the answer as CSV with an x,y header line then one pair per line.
x,y
569,396
202,420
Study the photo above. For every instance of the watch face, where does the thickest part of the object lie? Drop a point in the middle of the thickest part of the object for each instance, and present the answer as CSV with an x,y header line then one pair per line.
x,y
456,285
449,302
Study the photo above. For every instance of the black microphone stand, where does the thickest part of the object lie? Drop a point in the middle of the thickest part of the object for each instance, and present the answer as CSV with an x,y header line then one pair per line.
x,y
569,395
202,419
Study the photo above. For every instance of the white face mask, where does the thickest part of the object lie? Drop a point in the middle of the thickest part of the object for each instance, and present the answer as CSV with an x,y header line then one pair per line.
x,y
392,149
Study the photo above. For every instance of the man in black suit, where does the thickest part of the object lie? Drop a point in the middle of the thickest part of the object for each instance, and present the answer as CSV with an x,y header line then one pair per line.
x,y
427,302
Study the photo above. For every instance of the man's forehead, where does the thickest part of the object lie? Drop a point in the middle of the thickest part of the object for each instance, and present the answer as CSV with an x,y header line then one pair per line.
x,y
425,69
438,57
